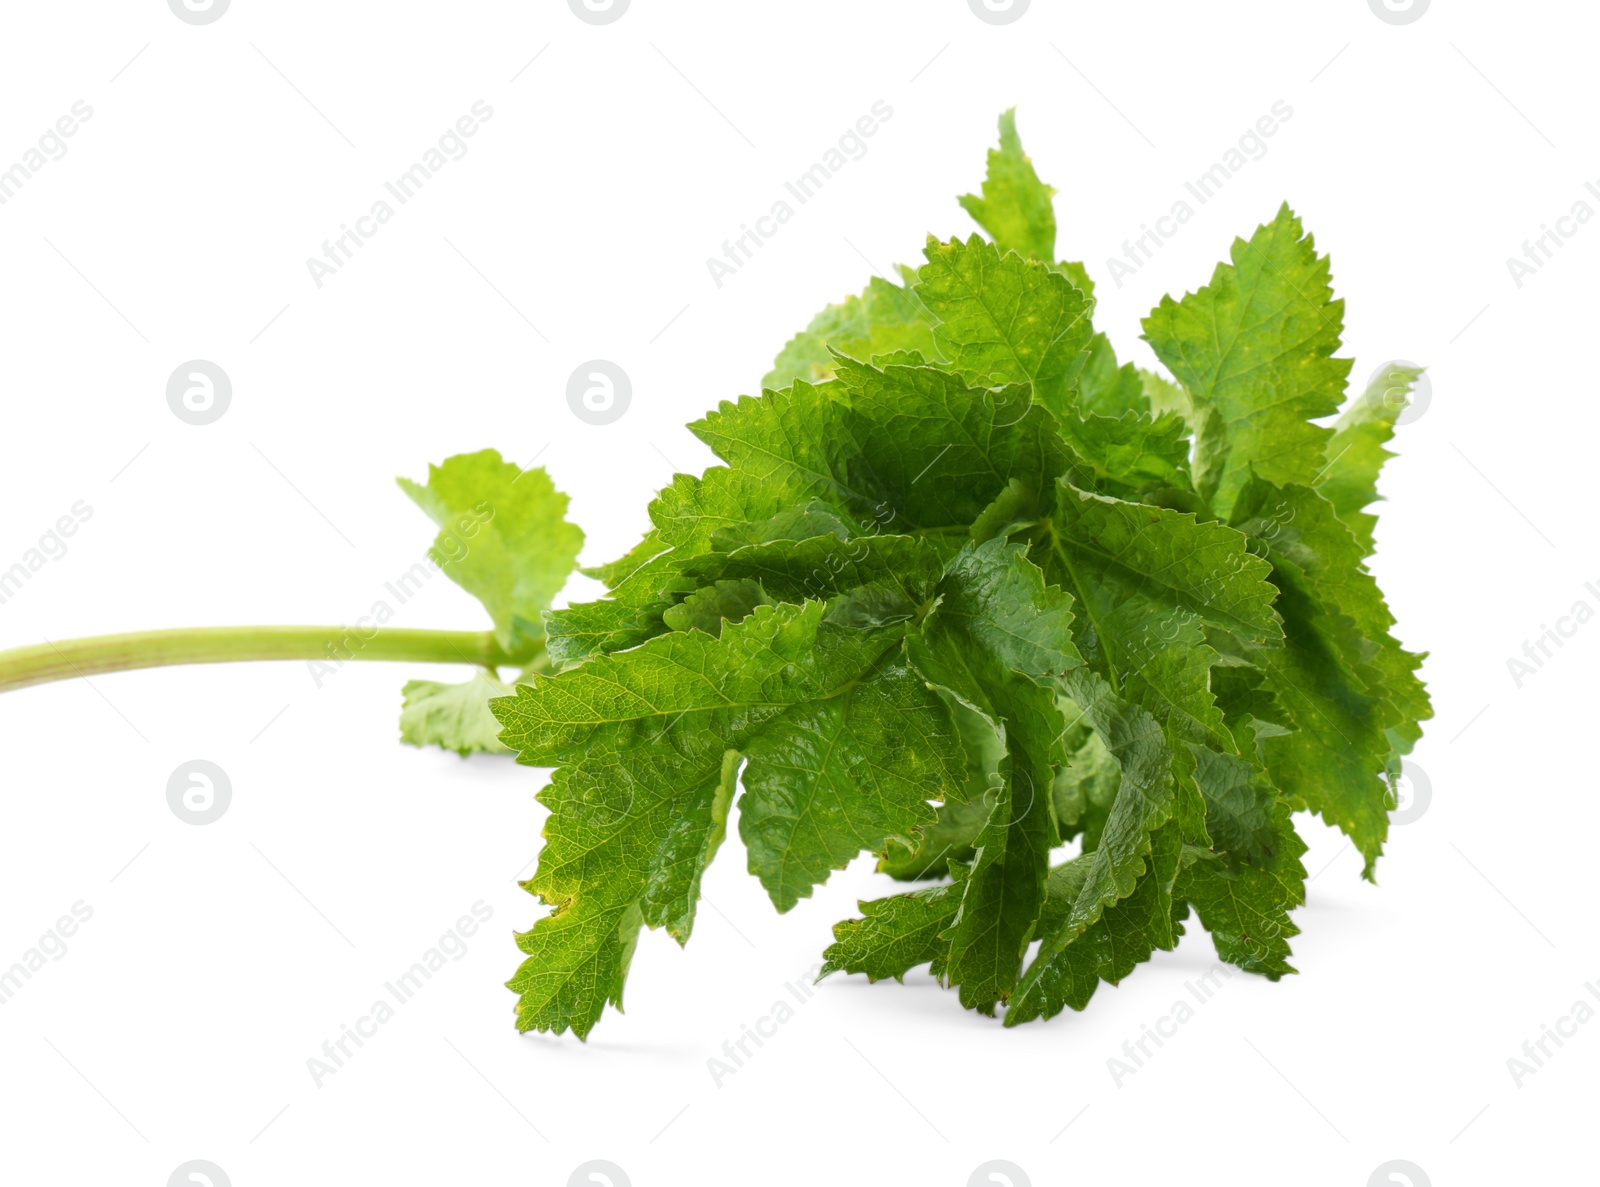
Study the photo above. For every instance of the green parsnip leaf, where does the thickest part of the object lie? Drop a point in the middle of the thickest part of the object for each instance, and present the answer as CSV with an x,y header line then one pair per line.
x,y
1254,349
968,590
885,318
1129,454
1017,209
842,776
1356,452
617,571
502,539
648,741
896,934
1107,388
1128,933
950,839
1147,798
1176,565
1004,319
1245,903
999,639
453,716
505,540
1341,676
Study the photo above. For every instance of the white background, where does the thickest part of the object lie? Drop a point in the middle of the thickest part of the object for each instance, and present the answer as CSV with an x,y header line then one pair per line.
x,y
179,1022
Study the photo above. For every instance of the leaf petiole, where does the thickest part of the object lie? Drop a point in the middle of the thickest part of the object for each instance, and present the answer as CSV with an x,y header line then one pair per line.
x,y
44,662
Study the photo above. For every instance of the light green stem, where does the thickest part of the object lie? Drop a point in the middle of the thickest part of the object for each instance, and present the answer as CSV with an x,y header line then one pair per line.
x,y
70,658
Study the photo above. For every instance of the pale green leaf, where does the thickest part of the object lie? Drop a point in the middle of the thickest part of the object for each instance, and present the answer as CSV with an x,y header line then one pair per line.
x,y
1255,350
502,538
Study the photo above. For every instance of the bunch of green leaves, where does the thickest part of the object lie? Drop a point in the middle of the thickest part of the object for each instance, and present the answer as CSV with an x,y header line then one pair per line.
x,y
1071,639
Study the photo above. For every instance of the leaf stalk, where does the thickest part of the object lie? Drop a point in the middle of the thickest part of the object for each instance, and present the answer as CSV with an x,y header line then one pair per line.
x,y
93,656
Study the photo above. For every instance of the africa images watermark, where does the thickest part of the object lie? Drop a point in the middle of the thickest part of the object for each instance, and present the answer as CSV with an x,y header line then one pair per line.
x,y
599,392
52,944
1538,252
1138,1052
1538,1051
851,146
1542,648
51,146
451,545
199,392
737,1051
52,546
340,250
1252,146
336,1053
